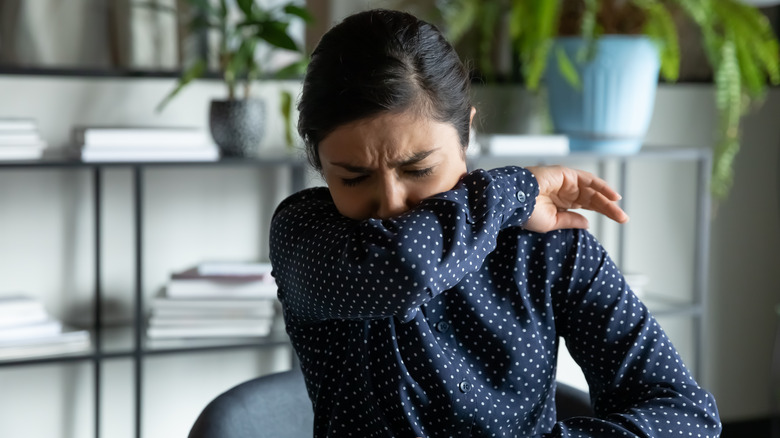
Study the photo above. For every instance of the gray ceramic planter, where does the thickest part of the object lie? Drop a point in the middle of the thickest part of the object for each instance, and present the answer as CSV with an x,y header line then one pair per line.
x,y
237,126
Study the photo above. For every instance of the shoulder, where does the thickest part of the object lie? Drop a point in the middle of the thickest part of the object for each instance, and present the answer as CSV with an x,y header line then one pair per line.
x,y
315,198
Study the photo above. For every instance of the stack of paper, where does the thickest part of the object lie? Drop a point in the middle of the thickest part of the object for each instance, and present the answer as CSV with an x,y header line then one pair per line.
x,y
143,144
229,300
26,329
19,140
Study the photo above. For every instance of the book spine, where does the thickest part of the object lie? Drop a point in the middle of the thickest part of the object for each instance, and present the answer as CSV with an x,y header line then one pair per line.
x,y
197,288
157,332
124,155
15,139
17,125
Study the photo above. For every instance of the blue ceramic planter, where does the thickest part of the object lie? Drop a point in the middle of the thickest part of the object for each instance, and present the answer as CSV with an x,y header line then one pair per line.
x,y
612,111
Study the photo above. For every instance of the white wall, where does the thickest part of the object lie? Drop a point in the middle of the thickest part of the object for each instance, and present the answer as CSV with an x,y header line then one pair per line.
x,y
745,266
745,254
45,233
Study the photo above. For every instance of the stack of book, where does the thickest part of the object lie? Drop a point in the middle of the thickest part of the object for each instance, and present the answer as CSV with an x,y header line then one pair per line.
x,y
143,144
19,140
26,329
215,300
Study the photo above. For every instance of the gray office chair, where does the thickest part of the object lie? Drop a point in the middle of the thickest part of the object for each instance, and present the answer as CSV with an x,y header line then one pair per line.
x,y
278,406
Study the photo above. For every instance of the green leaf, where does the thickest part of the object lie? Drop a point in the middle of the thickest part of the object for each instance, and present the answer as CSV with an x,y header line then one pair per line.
x,y
756,44
293,70
661,29
195,71
752,78
567,69
460,18
489,15
588,31
588,27
298,11
533,25
729,102
537,64
246,6
275,33
286,109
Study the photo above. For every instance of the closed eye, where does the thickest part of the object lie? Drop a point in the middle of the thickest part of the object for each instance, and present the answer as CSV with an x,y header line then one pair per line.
x,y
351,182
420,173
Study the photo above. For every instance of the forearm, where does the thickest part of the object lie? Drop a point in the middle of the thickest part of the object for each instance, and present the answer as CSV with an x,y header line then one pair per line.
x,y
636,377
336,267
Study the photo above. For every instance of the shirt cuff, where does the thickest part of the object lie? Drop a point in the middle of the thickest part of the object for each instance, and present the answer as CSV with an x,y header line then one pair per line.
x,y
520,190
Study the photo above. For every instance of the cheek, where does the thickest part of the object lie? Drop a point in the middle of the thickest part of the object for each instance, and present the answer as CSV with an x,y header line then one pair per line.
x,y
439,183
349,201
451,173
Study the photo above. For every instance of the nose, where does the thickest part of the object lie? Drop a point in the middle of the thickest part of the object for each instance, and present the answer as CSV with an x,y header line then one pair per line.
x,y
392,199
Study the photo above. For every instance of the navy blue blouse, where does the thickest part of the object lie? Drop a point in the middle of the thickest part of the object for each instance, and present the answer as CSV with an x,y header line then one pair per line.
x,y
445,321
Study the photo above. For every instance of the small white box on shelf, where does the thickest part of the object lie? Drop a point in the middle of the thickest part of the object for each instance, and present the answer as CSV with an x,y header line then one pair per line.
x,y
521,144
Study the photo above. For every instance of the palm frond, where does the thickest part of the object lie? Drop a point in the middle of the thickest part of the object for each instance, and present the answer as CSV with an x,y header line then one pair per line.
x,y
661,29
533,25
728,98
460,17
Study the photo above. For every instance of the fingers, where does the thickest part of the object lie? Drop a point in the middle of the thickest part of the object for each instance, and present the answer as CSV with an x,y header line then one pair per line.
x,y
593,193
570,219
589,180
600,203
567,188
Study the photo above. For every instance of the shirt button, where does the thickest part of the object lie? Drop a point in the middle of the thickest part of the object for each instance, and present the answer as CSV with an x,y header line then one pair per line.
x,y
442,326
464,386
520,196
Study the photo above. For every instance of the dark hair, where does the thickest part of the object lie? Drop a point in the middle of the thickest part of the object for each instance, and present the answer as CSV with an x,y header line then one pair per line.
x,y
377,61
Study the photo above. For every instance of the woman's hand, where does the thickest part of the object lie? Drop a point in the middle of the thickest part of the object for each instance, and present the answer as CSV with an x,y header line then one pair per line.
x,y
562,189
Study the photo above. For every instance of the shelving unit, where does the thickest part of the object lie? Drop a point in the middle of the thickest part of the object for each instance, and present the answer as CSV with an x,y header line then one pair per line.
x,y
130,342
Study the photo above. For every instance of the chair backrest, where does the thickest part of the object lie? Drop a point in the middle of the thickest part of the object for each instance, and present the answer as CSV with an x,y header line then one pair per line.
x,y
278,406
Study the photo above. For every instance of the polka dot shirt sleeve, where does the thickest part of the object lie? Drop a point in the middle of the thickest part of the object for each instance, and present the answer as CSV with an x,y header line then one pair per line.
x,y
330,267
638,382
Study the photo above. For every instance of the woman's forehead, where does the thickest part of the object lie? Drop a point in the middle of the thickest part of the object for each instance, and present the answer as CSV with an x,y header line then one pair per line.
x,y
390,137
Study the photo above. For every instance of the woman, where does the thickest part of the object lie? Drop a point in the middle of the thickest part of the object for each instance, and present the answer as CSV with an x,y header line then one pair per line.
x,y
425,300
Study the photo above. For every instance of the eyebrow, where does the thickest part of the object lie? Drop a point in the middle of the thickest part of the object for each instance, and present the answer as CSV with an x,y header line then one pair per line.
x,y
414,159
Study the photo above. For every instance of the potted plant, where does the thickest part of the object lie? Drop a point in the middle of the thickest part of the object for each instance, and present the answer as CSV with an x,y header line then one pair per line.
x,y
563,41
237,123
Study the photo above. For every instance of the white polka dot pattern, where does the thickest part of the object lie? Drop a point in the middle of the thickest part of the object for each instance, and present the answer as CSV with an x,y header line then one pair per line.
x,y
445,321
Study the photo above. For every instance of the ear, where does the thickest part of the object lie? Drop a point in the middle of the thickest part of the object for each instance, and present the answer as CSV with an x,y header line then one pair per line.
x,y
471,119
